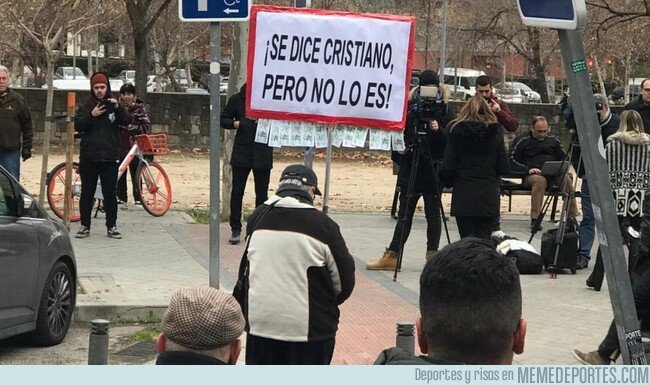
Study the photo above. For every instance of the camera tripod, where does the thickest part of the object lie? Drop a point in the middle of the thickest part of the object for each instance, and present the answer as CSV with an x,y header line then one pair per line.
x,y
419,148
562,224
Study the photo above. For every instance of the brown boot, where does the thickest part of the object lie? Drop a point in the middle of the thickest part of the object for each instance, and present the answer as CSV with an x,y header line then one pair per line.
x,y
388,261
591,358
429,254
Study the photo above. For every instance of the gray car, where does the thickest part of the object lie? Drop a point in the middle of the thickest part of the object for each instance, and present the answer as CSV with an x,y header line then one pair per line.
x,y
38,272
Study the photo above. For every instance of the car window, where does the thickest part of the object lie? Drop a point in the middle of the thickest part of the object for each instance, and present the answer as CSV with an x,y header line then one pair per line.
x,y
8,202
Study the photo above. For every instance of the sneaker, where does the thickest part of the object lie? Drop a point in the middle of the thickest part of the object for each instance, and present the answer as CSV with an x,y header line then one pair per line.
x,y
113,233
591,358
84,232
234,237
120,202
582,264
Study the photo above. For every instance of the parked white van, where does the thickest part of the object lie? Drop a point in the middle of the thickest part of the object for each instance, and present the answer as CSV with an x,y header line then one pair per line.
x,y
462,81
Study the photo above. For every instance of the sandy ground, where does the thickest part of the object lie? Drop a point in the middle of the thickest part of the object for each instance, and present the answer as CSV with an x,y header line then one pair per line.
x,y
360,181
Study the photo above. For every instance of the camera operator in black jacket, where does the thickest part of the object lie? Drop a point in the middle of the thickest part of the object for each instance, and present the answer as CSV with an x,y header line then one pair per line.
x,y
426,136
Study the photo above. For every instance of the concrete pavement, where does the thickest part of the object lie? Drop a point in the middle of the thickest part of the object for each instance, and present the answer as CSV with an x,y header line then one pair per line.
x,y
133,278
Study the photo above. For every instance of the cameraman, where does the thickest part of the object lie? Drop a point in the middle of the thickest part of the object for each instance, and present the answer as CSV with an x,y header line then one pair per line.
x,y
425,133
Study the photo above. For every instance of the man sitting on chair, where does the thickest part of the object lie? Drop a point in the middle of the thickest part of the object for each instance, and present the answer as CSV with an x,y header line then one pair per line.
x,y
528,156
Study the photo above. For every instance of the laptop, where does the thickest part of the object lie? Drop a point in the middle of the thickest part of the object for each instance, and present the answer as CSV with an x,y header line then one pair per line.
x,y
555,168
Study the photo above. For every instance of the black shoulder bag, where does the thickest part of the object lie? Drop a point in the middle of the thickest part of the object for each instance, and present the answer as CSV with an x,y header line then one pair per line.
x,y
240,292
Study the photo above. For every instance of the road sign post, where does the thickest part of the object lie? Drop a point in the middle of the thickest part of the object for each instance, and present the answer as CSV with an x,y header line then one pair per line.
x,y
566,16
214,11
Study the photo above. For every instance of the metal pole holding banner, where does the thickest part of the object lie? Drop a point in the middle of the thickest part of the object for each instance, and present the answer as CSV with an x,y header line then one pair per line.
x,y
328,171
215,143
309,151
611,241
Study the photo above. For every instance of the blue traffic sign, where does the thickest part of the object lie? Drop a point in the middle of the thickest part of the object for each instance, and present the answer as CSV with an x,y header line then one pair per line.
x,y
214,10
560,14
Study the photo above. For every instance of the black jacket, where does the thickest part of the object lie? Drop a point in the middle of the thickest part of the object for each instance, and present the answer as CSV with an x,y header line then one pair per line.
x,y
186,358
397,356
529,152
16,127
643,109
608,126
431,142
246,152
474,161
100,136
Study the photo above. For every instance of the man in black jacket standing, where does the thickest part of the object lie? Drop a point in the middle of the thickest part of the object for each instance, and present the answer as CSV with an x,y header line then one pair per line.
x,y
642,104
98,120
247,155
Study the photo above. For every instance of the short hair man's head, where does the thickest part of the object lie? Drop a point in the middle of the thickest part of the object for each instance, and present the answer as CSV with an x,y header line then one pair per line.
x,y
484,86
602,107
470,305
539,127
645,90
203,320
4,79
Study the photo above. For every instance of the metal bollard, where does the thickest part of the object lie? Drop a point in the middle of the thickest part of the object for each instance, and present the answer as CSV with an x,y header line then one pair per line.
x,y
405,336
98,342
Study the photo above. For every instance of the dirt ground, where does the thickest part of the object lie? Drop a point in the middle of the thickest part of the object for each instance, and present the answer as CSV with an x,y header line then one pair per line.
x,y
360,181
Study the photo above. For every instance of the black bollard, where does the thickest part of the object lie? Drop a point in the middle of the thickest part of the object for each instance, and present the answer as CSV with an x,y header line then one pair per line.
x,y
98,342
405,336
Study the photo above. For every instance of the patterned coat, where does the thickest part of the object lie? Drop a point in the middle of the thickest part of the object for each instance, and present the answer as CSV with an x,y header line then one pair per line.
x,y
628,159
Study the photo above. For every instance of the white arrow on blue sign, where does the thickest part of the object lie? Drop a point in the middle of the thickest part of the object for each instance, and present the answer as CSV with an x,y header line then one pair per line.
x,y
214,10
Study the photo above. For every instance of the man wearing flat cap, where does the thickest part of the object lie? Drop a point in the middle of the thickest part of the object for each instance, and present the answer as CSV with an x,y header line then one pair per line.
x,y
201,326
298,271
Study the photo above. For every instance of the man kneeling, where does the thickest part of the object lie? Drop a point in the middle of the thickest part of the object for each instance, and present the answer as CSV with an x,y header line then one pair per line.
x,y
470,308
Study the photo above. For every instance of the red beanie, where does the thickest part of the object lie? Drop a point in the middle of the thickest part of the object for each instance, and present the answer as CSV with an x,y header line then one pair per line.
x,y
98,77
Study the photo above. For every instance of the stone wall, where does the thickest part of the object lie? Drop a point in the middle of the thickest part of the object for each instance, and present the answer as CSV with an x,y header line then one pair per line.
x,y
186,117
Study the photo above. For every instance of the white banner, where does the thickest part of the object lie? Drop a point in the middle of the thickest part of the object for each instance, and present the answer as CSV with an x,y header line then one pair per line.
x,y
329,67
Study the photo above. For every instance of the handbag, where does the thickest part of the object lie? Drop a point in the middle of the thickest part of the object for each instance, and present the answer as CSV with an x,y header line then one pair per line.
x,y
240,291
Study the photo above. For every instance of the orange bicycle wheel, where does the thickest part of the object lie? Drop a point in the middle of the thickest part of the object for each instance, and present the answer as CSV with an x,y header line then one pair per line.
x,y
155,188
56,191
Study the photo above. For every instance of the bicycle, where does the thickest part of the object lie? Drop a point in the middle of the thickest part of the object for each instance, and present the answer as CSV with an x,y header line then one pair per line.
x,y
153,181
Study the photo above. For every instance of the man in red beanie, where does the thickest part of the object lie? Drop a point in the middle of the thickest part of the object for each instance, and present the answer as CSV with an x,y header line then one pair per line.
x,y
98,120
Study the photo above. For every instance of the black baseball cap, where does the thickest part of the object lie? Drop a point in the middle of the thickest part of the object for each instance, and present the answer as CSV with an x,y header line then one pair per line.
x,y
302,173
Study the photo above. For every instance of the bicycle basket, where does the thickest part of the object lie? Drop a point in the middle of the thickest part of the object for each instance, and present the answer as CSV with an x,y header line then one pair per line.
x,y
153,144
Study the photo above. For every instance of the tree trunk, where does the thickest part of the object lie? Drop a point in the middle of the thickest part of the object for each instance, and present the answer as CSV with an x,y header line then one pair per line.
x,y
538,66
235,81
599,74
141,63
48,128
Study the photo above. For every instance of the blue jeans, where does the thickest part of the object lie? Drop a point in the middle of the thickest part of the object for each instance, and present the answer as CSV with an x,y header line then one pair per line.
x,y
10,159
587,228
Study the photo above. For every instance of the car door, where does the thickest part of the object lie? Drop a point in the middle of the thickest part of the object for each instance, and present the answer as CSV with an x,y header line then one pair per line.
x,y
19,259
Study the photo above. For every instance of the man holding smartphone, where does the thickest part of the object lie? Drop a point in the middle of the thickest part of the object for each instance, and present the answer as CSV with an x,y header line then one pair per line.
x,y
98,120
